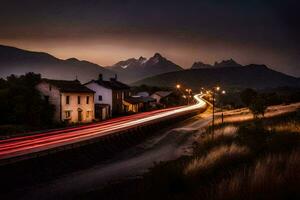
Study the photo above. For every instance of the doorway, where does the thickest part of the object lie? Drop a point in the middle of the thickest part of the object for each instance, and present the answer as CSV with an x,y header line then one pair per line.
x,y
79,115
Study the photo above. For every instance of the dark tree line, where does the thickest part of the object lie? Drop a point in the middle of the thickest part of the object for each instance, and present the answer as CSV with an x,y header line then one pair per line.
x,y
256,102
21,103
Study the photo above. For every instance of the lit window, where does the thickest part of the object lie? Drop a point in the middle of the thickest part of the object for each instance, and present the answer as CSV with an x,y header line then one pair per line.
x,y
68,114
88,114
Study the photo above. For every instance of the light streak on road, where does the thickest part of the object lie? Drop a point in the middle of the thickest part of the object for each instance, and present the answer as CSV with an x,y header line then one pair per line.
x,y
40,142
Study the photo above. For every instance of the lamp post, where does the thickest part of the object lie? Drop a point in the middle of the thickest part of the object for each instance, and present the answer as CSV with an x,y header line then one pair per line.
x,y
223,92
189,94
214,90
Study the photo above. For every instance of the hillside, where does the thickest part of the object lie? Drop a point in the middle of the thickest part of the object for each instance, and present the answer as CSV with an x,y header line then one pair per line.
x,y
18,61
132,70
254,76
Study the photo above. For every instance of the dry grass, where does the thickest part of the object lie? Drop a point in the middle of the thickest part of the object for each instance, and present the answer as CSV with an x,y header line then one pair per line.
x,y
240,115
270,177
226,131
223,132
214,157
291,126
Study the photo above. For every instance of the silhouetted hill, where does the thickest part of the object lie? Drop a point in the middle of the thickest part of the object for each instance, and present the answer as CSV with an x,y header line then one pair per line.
x,y
254,76
223,63
136,69
18,61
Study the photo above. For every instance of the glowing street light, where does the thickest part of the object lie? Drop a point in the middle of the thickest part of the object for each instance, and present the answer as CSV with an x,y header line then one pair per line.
x,y
178,86
218,88
223,92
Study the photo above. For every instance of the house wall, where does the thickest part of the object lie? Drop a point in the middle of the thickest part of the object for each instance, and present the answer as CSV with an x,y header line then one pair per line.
x,y
156,97
131,107
117,101
58,99
54,97
73,106
104,92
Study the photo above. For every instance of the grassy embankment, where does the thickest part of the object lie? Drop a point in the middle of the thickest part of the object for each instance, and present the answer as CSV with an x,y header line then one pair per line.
x,y
242,160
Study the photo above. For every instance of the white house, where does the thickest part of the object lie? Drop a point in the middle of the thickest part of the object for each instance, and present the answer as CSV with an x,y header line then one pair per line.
x,y
160,95
109,96
73,102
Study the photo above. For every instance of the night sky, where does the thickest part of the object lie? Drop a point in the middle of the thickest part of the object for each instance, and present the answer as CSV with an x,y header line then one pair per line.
x,y
106,32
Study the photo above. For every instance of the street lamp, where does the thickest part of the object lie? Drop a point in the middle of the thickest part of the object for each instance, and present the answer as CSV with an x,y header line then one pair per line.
x,y
178,86
223,92
214,90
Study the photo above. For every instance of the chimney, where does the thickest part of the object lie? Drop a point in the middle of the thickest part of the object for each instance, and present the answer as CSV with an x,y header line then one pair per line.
x,y
100,77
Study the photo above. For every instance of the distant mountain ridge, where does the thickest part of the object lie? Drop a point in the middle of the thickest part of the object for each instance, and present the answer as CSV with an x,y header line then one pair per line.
x,y
253,76
156,70
223,63
135,69
18,61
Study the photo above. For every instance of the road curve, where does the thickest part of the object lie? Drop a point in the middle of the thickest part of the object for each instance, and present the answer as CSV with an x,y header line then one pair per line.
x,y
19,146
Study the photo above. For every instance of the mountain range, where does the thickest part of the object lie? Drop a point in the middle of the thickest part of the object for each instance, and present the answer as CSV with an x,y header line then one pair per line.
x,y
223,63
135,69
155,71
253,76
18,61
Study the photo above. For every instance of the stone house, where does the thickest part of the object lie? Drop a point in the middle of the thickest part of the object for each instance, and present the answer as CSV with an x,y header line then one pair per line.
x,y
73,101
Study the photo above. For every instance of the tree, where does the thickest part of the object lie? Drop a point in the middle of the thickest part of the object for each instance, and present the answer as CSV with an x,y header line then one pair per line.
x,y
258,107
21,102
247,96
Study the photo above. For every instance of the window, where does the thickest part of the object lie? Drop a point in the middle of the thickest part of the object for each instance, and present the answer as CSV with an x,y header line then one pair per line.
x,y
67,99
88,114
87,100
100,98
78,99
68,114
50,87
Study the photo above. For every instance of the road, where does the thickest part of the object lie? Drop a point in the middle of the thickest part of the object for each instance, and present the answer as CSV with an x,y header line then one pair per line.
x,y
19,146
167,145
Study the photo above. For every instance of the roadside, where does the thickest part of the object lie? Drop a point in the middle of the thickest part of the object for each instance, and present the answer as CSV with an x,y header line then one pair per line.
x,y
245,159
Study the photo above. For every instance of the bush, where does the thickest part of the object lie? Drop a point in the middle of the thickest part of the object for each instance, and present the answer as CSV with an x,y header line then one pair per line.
x,y
21,103
258,107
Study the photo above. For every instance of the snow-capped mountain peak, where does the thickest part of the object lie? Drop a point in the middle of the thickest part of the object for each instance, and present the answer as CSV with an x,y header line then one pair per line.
x,y
134,69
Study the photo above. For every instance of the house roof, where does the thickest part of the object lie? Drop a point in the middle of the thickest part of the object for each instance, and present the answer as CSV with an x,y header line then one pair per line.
x,y
163,93
143,94
135,100
69,86
112,84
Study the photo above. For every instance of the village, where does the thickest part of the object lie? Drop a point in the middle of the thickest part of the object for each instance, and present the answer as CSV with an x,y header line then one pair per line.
x,y
101,99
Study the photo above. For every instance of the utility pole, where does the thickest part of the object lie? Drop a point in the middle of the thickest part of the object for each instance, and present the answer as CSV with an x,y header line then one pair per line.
x,y
213,116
